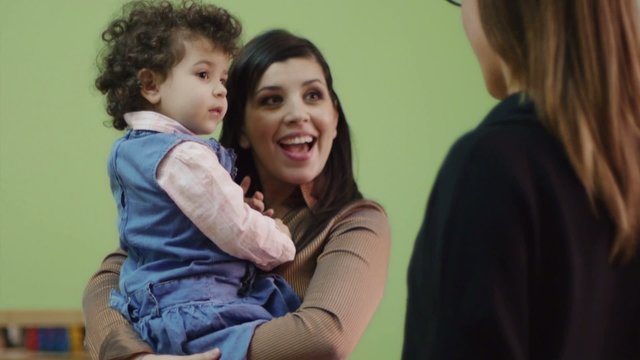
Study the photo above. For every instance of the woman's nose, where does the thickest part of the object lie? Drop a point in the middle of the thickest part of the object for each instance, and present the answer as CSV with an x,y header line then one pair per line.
x,y
296,111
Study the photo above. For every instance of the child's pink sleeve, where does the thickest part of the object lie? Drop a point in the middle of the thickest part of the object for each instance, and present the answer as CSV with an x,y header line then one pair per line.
x,y
204,191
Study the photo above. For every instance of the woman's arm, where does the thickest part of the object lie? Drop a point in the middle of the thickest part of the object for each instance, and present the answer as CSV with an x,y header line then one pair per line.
x,y
343,294
108,334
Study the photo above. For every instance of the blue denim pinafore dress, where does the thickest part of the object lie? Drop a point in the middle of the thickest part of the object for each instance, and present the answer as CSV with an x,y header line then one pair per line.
x,y
182,294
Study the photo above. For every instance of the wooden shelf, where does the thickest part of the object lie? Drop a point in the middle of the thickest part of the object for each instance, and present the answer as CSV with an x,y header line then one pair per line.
x,y
17,354
40,318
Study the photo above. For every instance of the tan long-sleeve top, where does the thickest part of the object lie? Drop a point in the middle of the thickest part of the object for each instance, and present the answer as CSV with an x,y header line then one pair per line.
x,y
339,274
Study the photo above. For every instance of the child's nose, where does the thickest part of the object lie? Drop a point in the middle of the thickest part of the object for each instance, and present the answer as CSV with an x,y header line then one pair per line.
x,y
219,90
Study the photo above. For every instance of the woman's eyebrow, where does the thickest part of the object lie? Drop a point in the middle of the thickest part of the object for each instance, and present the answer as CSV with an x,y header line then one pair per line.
x,y
268,88
276,87
311,81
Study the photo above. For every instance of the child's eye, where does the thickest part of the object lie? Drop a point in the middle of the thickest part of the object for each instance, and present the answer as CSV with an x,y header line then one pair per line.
x,y
203,75
223,81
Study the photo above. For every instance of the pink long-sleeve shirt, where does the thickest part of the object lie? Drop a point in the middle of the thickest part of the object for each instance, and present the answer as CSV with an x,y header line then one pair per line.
x,y
193,178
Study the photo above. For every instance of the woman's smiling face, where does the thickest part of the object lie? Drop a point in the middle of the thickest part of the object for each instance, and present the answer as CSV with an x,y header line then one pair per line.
x,y
290,124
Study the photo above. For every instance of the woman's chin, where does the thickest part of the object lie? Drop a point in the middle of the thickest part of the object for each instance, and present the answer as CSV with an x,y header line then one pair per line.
x,y
299,177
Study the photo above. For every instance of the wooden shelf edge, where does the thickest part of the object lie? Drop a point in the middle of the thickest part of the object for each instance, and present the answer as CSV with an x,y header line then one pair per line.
x,y
41,318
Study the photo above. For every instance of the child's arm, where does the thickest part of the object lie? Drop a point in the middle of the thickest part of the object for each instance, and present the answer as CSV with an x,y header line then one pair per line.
x,y
194,179
256,202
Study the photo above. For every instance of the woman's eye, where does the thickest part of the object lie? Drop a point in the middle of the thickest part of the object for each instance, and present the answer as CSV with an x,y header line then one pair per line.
x,y
203,75
223,81
270,100
313,95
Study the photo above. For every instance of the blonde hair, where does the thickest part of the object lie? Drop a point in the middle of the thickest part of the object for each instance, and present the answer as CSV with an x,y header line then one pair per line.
x,y
579,62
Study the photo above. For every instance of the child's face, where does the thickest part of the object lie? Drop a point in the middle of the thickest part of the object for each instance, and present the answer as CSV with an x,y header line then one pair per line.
x,y
194,93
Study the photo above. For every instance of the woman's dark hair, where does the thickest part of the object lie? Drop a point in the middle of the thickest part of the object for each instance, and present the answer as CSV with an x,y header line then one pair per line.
x,y
335,186
150,35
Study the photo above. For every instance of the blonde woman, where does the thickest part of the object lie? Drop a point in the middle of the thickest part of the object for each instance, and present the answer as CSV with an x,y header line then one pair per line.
x,y
529,245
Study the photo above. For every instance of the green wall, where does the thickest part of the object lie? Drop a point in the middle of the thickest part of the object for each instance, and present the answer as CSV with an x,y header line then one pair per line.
x,y
405,73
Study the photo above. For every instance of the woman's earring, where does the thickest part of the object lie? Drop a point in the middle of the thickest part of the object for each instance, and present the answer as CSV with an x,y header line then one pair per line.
x,y
244,142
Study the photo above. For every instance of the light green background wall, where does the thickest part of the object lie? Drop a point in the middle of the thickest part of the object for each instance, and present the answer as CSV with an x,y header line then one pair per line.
x,y
406,75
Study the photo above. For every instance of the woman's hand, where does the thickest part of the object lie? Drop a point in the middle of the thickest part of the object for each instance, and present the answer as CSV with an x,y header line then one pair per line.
x,y
256,202
209,355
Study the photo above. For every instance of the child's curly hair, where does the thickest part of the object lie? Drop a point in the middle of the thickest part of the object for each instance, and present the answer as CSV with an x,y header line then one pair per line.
x,y
150,35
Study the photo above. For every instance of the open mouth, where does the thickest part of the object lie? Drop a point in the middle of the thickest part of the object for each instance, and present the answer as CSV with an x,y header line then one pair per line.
x,y
297,144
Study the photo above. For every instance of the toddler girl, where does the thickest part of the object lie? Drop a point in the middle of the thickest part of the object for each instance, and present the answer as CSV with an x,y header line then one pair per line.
x,y
189,283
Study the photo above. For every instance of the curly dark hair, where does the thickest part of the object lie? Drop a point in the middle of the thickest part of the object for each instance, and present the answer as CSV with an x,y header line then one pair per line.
x,y
149,35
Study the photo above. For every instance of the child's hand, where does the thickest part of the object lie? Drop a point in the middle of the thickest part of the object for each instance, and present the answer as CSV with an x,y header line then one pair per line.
x,y
256,202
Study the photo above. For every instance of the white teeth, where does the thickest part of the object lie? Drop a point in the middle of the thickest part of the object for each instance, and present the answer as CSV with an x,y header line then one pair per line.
x,y
297,140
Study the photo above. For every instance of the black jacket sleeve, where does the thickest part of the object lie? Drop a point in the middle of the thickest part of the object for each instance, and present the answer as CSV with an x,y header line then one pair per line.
x,y
467,281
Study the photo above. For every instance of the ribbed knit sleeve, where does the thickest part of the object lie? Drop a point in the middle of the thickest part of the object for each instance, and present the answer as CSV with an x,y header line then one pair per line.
x,y
108,334
342,291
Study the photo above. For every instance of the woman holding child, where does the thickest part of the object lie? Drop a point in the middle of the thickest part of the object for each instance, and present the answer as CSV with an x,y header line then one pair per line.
x,y
288,129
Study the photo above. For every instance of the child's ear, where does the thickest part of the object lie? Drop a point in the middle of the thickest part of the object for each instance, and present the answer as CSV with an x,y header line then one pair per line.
x,y
149,85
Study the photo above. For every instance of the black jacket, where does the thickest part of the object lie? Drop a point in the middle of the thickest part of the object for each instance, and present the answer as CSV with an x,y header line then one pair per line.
x,y
512,260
